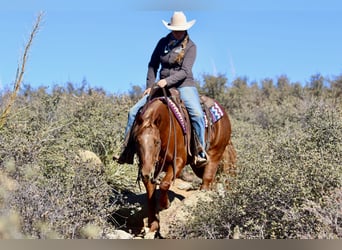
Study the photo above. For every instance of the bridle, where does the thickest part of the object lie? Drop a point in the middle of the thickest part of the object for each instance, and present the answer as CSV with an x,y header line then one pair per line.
x,y
172,126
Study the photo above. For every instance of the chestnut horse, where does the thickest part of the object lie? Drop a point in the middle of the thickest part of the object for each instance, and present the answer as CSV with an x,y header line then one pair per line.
x,y
161,146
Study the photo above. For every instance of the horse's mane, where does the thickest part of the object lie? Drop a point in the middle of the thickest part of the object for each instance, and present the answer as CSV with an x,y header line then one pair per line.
x,y
145,119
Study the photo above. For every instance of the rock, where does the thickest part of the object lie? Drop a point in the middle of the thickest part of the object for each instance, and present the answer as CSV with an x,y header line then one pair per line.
x,y
180,211
150,236
184,186
119,235
91,157
7,182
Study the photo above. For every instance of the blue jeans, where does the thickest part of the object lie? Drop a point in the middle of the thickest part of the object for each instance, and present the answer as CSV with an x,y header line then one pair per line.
x,y
190,97
133,112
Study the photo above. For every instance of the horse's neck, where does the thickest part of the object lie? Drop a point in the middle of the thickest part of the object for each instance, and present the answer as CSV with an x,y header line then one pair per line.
x,y
154,111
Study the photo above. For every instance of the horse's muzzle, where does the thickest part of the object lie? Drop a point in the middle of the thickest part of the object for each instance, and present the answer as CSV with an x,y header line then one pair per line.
x,y
145,177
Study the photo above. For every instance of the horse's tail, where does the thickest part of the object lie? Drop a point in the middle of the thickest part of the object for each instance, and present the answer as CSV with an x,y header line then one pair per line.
x,y
229,159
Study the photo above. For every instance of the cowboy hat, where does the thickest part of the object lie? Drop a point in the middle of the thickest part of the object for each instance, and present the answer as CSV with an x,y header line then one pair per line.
x,y
178,22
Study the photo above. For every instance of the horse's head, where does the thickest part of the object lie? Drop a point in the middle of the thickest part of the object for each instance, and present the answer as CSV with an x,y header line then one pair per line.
x,y
148,144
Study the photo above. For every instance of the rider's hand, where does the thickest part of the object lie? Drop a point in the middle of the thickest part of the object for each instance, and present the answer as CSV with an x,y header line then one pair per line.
x,y
162,83
147,91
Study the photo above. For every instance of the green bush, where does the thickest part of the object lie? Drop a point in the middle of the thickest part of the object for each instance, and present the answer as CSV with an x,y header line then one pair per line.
x,y
289,176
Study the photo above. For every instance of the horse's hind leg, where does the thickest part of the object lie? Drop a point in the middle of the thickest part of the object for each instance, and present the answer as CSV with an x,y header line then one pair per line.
x,y
229,159
209,175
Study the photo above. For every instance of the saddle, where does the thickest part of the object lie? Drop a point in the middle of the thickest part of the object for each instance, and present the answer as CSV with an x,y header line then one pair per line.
x,y
211,115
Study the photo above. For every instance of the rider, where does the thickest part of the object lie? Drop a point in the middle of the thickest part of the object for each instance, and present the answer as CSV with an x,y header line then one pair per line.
x,y
176,54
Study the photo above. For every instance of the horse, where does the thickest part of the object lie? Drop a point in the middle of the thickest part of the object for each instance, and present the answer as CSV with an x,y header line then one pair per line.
x,y
161,146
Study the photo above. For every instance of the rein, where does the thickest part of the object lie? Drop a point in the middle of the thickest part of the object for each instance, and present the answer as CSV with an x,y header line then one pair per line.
x,y
172,125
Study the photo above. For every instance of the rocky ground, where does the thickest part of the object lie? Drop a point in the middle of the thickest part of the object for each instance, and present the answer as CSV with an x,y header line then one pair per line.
x,y
131,220
183,194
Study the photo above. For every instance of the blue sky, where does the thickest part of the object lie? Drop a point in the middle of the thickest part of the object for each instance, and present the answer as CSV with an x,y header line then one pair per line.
x,y
109,43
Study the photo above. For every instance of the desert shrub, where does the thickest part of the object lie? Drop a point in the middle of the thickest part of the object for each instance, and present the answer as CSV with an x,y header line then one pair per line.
x,y
288,183
58,194
60,206
289,177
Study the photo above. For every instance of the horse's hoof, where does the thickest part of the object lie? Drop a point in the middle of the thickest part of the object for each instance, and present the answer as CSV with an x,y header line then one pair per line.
x,y
154,226
200,162
152,231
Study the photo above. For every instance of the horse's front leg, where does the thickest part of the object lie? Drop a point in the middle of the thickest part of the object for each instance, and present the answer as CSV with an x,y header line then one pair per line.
x,y
165,184
153,221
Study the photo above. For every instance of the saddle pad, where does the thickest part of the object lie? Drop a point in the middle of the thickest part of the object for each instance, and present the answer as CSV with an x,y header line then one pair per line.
x,y
216,114
176,112
215,111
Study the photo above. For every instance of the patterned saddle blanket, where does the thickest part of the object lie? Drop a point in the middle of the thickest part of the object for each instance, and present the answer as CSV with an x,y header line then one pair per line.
x,y
216,112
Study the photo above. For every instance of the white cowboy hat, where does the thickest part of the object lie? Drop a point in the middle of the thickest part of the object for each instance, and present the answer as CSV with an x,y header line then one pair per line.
x,y
178,22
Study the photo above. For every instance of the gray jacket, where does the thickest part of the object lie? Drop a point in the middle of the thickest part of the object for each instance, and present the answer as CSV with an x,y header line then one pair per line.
x,y
176,74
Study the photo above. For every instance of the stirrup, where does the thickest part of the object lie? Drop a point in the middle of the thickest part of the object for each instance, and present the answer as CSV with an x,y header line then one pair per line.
x,y
200,161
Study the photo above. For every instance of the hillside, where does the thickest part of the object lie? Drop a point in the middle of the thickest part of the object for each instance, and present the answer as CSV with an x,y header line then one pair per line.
x,y
288,138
